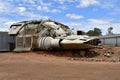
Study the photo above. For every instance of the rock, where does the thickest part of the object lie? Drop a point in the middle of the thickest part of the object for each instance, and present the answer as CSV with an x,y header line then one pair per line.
x,y
107,55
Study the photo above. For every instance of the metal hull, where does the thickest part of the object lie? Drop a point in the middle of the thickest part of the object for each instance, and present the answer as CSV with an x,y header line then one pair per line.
x,y
48,35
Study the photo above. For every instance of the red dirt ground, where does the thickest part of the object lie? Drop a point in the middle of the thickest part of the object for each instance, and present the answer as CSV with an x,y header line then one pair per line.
x,y
42,66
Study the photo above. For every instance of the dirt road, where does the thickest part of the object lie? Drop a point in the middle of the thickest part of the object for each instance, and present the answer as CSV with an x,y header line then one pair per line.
x,y
31,66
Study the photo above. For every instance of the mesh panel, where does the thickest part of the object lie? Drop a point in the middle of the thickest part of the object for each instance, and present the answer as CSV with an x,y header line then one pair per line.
x,y
28,42
20,42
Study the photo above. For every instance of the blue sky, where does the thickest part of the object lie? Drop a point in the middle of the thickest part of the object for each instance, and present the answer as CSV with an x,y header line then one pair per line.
x,y
79,14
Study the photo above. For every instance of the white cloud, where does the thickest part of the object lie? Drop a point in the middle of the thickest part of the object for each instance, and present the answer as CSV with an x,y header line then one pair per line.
x,y
44,3
43,8
5,24
30,1
5,7
46,9
86,3
74,16
99,21
11,10
103,27
8,8
63,1
90,24
108,4
63,7
21,9
32,9
55,11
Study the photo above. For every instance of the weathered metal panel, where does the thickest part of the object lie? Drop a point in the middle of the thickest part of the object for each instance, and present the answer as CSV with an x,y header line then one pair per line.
x,y
28,42
48,35
5,41
19,42
113,40
110,41
118,39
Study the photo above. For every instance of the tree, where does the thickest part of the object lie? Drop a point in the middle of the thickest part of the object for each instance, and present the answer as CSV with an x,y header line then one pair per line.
x,y
95,32
110,31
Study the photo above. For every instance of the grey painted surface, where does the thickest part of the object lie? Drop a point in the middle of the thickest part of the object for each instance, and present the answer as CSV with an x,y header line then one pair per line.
x,y
118,41
5,40
113,40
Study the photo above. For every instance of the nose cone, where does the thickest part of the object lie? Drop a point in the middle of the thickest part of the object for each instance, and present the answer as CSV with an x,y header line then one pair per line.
x,y
78,42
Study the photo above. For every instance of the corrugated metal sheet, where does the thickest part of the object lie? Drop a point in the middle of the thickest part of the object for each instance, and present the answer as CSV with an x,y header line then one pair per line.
x,y
5,41
113,40
118,41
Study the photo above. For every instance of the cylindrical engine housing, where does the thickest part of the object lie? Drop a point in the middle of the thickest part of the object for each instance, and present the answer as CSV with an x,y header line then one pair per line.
x,y
48,43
